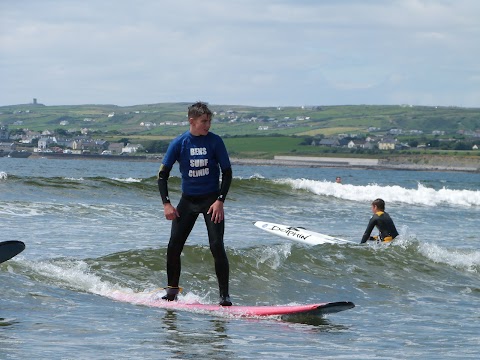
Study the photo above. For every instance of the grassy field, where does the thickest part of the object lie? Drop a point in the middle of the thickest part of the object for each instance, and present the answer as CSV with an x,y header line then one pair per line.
x,y
241,120
331,131
263,147
253,131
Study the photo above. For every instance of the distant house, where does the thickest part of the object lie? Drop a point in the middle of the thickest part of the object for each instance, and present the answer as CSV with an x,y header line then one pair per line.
x,y
7,147
29,136
386,144
416,132
64,142
116,148
147,124
45,141
343,142
91,146
329,142
4,133
132,148
474,147
395,131
356,144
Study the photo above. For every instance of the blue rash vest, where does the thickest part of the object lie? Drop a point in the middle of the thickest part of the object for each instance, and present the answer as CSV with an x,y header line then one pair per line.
x,y
200,159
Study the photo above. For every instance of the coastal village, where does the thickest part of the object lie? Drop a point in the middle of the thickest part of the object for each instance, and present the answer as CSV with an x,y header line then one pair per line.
x,y
18,141
49,142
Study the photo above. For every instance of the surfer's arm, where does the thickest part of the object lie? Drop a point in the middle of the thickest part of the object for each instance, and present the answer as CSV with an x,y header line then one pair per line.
x,y
226,182
168,209
368,231
162,180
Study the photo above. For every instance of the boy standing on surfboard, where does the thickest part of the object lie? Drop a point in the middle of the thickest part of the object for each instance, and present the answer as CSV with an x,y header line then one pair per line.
x,y
382,221
202,156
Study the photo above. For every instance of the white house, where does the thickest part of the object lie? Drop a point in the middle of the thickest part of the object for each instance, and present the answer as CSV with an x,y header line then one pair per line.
x,y
132,148
355,144
147,124
45,141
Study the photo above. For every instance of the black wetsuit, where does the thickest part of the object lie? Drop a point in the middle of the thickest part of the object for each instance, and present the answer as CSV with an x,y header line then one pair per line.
x,y
385,225
201,160
189,208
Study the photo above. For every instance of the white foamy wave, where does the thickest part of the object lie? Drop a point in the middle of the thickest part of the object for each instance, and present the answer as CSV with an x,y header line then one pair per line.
x,y
422,195
74,274
128,180
108,211
19,209
251,177
3,175
463,259
274,256
257,176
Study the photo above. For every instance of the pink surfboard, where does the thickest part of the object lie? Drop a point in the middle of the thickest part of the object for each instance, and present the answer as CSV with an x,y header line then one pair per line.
x,y
318,309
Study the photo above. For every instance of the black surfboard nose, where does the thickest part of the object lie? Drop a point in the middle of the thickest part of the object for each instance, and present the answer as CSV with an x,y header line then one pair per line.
x,y
10,248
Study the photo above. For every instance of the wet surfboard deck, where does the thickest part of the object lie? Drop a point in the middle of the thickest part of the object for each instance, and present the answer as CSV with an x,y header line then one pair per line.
x,y
316,309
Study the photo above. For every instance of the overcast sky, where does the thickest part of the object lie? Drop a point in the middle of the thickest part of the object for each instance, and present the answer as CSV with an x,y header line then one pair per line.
x,y
242,52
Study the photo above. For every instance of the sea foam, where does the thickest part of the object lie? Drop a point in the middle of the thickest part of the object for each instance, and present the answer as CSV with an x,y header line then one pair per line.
x,y
422,195
462,259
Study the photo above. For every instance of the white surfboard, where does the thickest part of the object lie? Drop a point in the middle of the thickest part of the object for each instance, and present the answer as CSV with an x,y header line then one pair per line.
x,y
299,234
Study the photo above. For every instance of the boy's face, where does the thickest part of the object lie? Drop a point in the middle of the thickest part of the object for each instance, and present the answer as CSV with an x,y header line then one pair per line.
x,y
200,125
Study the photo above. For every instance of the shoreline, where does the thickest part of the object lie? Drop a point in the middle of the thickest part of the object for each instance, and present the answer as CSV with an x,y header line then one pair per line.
x,y
354,163
427,163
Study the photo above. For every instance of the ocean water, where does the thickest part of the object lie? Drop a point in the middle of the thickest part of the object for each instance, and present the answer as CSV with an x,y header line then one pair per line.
x,y
96,227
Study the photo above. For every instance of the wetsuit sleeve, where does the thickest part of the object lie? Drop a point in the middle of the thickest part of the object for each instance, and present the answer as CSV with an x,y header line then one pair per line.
x,y
368,231
163,175
226,182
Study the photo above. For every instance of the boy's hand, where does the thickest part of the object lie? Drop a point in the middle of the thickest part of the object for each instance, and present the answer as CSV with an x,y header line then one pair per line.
x,y
170,211
216,209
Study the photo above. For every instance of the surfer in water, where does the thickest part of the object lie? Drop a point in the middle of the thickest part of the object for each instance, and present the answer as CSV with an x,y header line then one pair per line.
x,y
201,156
382,221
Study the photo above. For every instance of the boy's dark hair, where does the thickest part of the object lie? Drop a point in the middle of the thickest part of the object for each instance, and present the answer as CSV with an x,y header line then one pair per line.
x,y
379,203
199,109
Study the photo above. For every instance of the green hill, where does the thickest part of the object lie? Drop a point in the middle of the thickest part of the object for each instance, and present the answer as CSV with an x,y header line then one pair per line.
x,y
168,119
